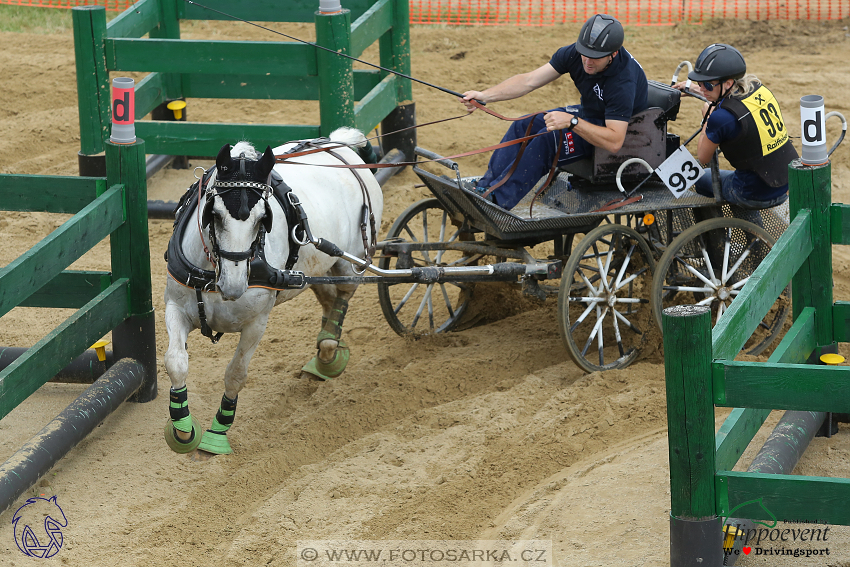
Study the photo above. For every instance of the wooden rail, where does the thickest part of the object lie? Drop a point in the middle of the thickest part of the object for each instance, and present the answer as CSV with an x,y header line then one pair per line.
x,y
118,301
282,70
701,373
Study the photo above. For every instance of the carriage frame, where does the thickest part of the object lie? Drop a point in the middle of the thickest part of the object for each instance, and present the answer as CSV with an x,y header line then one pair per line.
x,y
629,263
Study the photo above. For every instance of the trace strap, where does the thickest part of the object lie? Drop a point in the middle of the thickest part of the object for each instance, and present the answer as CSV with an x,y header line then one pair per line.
x,y
368,217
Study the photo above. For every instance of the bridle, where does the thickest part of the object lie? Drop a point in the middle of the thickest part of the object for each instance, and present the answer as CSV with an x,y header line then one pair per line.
x,y
221,188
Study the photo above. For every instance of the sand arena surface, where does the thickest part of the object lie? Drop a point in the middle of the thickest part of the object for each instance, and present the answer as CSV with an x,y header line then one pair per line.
x,y
487,433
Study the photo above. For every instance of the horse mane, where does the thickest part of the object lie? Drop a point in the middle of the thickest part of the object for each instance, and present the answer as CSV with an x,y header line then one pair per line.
x,y
248,148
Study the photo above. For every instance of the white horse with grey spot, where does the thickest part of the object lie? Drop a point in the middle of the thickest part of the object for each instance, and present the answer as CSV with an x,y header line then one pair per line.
x,y
235,247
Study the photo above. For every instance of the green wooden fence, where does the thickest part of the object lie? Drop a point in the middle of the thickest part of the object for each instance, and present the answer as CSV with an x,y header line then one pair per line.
x,y
701,373
118,300
287,70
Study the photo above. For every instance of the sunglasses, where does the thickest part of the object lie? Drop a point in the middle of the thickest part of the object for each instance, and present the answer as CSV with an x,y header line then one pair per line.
x,y
709,86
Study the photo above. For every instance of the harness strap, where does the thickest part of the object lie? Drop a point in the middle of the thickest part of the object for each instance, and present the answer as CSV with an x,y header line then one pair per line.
x,y
552,171
281,190
368,247
516,161
202,315
368,240
617,203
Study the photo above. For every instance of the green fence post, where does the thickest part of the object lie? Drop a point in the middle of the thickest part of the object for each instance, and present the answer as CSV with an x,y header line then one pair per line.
x,y
395,54
136,337
336,74
395,49
809,187
169,28
93,98
695,529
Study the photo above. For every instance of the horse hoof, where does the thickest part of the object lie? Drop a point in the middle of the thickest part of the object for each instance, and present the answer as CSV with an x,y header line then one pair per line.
x,y
179,446
215,443
328,370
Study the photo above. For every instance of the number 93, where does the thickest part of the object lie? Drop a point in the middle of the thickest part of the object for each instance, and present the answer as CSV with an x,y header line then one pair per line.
x,y
678,181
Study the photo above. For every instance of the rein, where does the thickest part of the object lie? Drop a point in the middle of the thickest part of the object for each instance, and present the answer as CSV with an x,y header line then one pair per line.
x,y
209,255
284,158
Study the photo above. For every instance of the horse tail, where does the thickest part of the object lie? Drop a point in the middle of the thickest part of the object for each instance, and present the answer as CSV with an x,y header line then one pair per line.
x,y
351,137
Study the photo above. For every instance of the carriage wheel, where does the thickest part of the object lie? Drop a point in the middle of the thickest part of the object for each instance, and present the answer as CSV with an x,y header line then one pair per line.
x,y
708,264
603,315
423,309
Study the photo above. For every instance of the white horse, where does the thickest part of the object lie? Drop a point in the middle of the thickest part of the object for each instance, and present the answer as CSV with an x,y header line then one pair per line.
x,y
234,219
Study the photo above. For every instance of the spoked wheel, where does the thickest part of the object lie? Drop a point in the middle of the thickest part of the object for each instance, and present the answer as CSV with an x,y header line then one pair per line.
x,y
423,309
603,313
708,264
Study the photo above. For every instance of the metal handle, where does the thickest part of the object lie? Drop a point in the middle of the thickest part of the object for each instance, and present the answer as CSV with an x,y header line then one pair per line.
x,y
676,74
843,128
626,164
427,154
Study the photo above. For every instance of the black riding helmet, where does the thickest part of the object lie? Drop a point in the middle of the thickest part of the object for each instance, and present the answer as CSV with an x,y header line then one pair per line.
x,y
718,61
600,36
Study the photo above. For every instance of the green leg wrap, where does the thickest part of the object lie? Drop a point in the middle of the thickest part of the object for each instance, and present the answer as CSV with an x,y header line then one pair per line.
x,y
215,438
332,326
332,369
181,420
178,409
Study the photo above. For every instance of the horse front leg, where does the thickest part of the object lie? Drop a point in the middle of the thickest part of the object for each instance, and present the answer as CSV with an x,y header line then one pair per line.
x,y
333,354
215,439
182,430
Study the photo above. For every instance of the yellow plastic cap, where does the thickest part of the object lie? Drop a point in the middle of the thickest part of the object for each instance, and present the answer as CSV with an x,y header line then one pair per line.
x,y
831,358
177,107
648,219
100,348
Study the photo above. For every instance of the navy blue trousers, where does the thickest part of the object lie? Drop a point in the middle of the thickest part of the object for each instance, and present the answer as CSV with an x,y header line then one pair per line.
x,y
536,160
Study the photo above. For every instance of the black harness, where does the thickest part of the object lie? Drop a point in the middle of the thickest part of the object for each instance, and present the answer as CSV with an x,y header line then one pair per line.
x,y
260,273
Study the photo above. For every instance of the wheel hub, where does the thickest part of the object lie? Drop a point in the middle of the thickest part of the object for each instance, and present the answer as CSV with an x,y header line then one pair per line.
x,y
724,293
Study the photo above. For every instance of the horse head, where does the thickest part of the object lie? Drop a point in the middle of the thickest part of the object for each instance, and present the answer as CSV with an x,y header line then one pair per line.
x,y
236,208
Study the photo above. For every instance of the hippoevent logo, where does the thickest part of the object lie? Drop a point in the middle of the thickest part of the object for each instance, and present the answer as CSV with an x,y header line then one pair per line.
x,y
770,540
38,527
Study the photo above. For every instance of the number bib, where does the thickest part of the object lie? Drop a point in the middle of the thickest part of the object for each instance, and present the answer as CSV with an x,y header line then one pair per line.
x,y
679,171
768,118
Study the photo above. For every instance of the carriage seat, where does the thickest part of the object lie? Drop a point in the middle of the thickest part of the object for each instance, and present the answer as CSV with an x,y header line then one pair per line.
x,y
665,97
646,138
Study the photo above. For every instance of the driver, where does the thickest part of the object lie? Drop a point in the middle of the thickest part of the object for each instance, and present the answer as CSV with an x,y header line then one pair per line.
x,y
744,121
613,88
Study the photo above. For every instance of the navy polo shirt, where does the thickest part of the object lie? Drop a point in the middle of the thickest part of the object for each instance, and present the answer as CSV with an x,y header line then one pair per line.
x,y
617,93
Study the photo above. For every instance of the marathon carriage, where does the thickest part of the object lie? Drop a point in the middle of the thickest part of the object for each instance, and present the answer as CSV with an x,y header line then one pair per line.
x,y
636,254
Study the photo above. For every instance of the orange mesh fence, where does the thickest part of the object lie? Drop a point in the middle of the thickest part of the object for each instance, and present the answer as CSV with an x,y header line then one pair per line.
x,y
116,5
629,12
552,12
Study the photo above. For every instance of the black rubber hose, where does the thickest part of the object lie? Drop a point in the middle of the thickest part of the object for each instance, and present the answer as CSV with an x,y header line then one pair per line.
x,y
84,369
779,455
48,446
